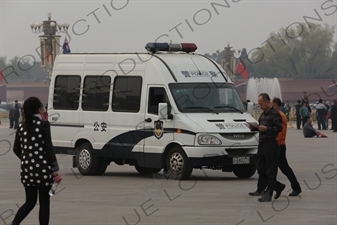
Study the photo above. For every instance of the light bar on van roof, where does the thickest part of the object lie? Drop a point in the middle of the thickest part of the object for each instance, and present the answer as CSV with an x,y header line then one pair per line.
x,y
185,47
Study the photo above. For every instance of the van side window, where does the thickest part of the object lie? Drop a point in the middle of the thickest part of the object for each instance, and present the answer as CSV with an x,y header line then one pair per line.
x,y
126,94
156,95
67,92
96,92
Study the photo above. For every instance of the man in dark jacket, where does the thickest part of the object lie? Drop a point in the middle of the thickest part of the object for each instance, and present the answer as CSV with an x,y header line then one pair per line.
x,y
11,117
16,115
298,115
321,111
326,115
334,116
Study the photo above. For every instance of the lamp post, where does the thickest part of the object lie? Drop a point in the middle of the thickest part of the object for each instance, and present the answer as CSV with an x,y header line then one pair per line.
x,y
228,62
49,41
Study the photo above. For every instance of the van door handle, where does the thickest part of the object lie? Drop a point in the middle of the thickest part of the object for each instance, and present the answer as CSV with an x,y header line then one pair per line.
x,y
149,120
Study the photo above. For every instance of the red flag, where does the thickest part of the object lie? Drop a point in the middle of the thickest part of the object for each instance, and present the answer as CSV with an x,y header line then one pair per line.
x,y
1,76
241,69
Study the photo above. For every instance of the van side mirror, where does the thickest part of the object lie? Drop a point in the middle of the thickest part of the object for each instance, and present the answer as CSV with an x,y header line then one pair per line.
x,y
250,108
164,111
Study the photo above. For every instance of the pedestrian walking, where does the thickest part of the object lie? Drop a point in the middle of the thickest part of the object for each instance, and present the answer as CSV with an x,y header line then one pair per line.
x,y
39,167
270,124
283,162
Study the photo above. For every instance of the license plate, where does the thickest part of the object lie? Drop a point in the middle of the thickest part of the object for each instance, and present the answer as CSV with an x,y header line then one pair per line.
x,y
241,160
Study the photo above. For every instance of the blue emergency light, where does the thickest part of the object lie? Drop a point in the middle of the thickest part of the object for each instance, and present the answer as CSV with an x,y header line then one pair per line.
x,y
184,47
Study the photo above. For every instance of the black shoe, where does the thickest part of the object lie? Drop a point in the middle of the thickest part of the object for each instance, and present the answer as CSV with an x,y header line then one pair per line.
x,y
257,193
295,192
279,191
266,196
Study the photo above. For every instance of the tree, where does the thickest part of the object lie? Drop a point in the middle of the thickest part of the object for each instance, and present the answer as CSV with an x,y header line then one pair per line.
x,y
216,56
302,51
21,70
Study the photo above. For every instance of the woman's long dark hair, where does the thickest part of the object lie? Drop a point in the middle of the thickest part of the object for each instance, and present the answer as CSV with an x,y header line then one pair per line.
x,y
30,107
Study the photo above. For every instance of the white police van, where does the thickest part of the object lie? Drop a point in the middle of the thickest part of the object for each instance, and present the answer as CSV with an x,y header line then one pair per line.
x,y
166,109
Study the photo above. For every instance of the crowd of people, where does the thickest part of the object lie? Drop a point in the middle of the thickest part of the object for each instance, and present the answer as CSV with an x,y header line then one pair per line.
x,y
324,113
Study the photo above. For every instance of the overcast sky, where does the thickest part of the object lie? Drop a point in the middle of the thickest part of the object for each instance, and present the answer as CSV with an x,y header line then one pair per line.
x,y
131,24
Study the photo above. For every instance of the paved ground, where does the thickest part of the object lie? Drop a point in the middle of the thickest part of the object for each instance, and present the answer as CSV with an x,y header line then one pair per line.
x,y
122,196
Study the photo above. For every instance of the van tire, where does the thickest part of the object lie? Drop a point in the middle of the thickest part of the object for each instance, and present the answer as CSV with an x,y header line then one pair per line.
x,y
244,171
144,170
103,164
87,162
177,165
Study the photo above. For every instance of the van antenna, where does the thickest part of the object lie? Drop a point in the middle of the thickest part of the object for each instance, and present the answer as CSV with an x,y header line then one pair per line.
x,y
196,66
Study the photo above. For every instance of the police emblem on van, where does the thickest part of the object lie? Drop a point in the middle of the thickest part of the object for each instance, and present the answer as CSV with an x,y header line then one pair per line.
x,y
158,129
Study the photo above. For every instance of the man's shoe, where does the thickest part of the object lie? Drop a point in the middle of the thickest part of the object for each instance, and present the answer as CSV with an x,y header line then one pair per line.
x,y
279,191
256,193
295,193
266,197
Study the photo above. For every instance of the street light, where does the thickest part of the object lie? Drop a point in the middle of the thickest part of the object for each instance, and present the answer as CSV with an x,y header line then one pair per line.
x,y
49,41
228,62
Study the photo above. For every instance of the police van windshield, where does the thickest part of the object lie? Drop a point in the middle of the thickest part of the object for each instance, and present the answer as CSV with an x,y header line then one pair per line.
x,y
206,97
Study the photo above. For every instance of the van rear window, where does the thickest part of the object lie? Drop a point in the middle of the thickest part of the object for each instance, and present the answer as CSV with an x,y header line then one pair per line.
x,y
66,92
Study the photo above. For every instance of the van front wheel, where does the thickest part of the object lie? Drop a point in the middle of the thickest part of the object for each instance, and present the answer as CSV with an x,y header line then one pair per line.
x,y
244,171
177,164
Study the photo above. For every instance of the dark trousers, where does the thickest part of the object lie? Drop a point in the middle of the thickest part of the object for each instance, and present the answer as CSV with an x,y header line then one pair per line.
x,y
285,169
321,122
304,120
267,163
11,121
16,122
298,122
31,198
311,134
334,124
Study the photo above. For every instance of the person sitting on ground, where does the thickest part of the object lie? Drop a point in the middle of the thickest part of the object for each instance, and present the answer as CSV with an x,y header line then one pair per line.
x,y
309,131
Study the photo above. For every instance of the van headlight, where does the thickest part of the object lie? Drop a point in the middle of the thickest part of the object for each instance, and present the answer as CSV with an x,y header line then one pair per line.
x,y
208,140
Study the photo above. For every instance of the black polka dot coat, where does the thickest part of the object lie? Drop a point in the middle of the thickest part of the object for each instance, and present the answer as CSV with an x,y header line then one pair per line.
x,y
38,160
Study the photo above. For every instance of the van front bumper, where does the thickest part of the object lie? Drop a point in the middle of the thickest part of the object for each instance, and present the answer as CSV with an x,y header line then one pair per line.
x,y
221,156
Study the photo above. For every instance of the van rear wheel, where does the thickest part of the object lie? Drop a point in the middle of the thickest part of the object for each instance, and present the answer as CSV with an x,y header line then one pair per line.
x,y
144,170
244,171
177,164
87,162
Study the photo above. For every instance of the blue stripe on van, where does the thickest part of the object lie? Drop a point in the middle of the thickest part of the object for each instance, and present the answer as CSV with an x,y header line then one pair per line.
x,y
122,145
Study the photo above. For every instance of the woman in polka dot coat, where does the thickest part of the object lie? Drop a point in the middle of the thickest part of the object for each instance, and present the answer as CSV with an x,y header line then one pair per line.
x,y
39,167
